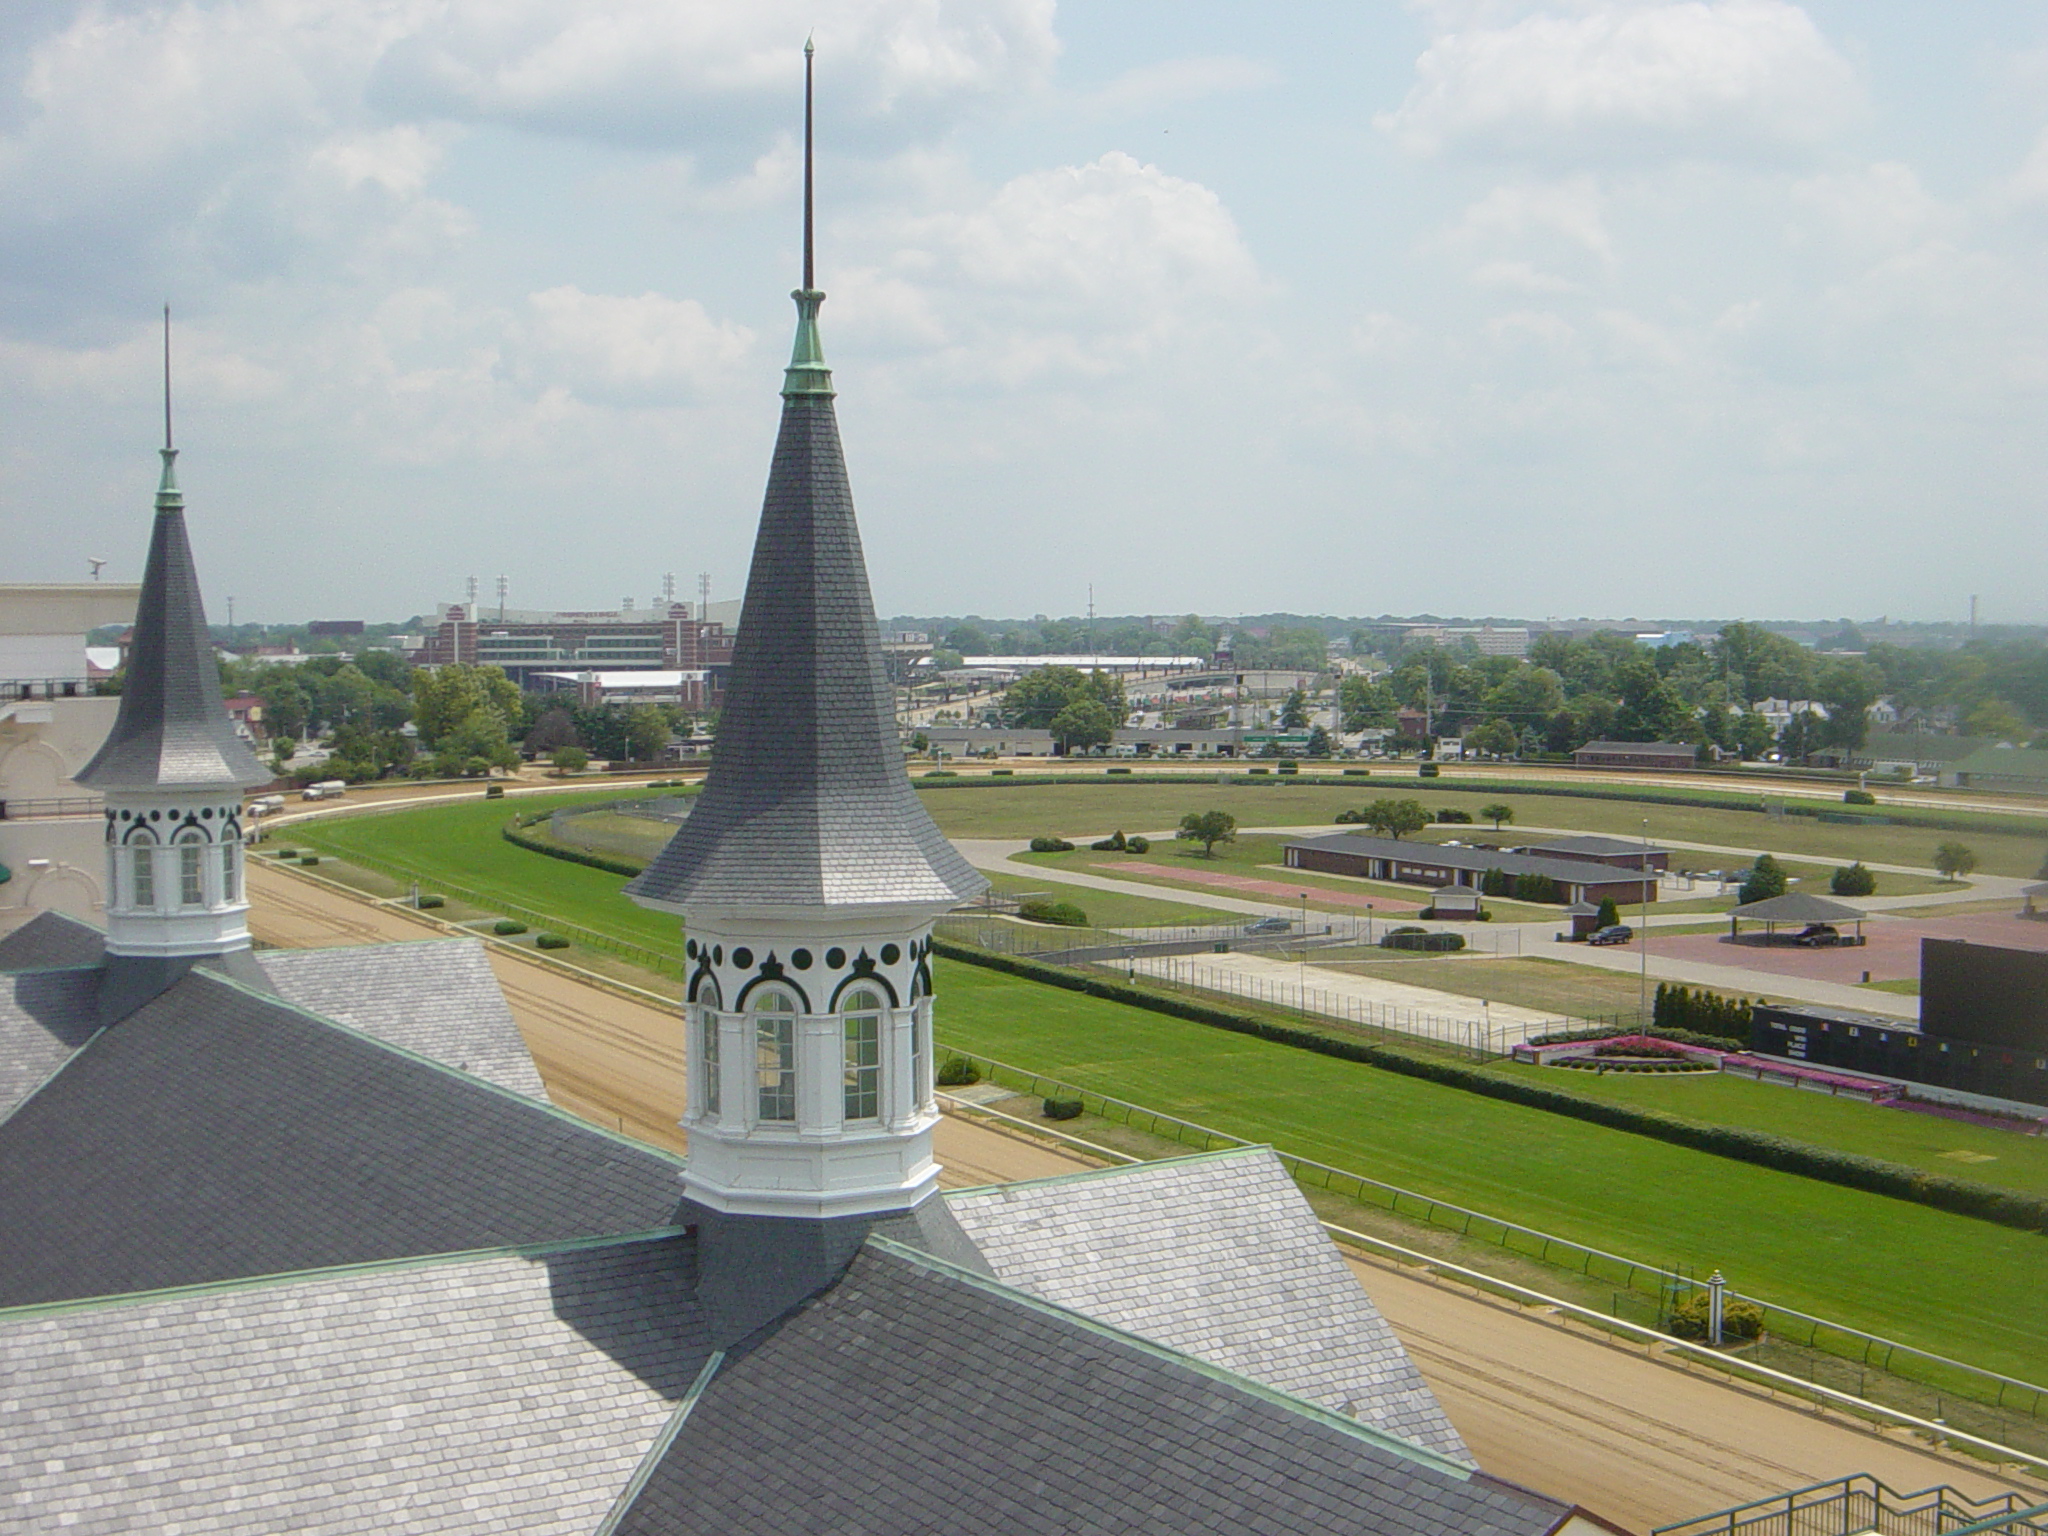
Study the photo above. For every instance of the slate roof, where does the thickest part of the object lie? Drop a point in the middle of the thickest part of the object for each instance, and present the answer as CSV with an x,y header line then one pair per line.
x,y
217,1133
435,998
1798,907
808,802
173,730
45,1016
1478,860
913,1397
1592,846
503,1392
1217,1256
51,938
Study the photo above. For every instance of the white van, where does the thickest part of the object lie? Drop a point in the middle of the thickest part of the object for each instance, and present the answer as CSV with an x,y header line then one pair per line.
x,y
326,789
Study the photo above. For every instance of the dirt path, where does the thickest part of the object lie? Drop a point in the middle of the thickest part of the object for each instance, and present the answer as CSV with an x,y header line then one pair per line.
x,y
1636,1439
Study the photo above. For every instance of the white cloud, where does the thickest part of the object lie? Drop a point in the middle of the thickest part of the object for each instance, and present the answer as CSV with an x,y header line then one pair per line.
x,y
1150,87
1626,78
1878,209
1572,213
645,350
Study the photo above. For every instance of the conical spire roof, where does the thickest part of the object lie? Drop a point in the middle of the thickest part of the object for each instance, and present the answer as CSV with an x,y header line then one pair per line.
x,y
808,803
173,731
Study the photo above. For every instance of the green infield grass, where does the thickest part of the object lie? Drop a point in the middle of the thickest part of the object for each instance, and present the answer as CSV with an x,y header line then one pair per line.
x,y
1109,909
1945,1283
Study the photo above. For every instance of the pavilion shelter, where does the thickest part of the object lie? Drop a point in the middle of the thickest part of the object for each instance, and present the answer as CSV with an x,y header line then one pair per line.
x,y
1795,907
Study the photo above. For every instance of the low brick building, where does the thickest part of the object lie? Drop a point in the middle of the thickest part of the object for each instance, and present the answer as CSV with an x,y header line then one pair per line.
x,y
1636,754
1439,864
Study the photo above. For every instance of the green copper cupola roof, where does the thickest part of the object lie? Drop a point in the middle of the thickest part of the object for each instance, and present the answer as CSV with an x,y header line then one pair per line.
x,y
808,803
173,730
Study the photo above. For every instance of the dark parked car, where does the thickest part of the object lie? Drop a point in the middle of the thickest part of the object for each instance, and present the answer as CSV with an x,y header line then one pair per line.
x,y
1819,936
1270,925
1616,933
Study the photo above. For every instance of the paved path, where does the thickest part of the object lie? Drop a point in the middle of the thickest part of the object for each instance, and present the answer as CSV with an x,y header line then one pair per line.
x,y
1628,1435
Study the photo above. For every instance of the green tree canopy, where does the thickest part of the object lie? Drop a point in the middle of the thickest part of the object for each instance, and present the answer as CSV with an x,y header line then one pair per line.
x,y
1084,723
1034,699
1497,738
1766,879
1208,828
1365,704
1396,818
1954,860
1294,711
1497,813
446,698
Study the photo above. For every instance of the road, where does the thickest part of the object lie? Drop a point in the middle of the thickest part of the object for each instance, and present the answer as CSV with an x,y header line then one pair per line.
x,y
1628,1435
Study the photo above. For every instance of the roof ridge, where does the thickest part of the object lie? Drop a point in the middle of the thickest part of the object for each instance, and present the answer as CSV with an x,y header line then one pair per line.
x,y
548,1249
1408,1450
1080,1174
543,1105
52,1075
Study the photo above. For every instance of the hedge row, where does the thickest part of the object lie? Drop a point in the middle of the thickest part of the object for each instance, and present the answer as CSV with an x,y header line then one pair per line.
x,y
511,833
1961,1196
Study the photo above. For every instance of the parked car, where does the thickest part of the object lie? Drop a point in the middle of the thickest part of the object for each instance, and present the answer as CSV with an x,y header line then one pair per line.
x,y
1819,936
1614,933
1270,925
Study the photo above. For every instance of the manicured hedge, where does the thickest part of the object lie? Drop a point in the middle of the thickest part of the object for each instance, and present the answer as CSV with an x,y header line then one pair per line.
x,y
512,834
1961,1196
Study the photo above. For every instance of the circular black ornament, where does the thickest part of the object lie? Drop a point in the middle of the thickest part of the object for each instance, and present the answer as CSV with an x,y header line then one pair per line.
x,y
836,959
801,959
743,958
891,954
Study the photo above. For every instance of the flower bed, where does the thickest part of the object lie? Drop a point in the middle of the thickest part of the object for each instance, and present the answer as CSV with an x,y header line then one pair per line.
x,y
1651,1047
1766,1070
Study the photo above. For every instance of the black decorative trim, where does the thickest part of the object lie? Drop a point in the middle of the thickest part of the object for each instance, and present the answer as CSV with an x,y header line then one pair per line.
x,y
864,969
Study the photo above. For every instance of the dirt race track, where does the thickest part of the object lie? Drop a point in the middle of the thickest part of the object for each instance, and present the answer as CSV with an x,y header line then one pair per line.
x,y
1633,1437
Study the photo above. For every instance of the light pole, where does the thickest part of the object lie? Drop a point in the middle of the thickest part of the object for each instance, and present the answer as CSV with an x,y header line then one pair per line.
x,y
1304,952
1643,938
1368,925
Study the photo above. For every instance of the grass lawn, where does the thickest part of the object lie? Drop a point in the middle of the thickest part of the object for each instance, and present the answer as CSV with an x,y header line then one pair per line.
x,y
1833,1251
1551,986
1084,812
1904,986
1110,909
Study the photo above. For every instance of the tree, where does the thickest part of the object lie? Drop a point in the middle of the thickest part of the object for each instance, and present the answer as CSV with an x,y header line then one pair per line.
x,y
1035,698
647,732
444,699
1954,861
1853,880
1609,914
1208,828
1753,736
1294,711
284,703
1083,724
283,749
1365,705
554,728
1496,738
571,759
1766,879
1848,688
475,746
1994,718
1395,817
1319,742
1497,813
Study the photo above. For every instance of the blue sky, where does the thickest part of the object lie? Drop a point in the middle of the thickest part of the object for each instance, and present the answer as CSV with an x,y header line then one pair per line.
x,y
1611,307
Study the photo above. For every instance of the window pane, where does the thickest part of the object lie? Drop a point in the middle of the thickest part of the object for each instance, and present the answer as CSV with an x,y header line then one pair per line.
x,y
863,1067
775,1064
230,872
191,883
707,1053
145,875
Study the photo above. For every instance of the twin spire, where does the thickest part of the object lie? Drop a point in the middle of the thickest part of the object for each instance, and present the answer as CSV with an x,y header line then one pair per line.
x,y
167,493
807,373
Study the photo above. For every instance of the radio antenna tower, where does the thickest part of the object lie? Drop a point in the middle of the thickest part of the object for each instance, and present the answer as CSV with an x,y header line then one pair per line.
x,y
704,597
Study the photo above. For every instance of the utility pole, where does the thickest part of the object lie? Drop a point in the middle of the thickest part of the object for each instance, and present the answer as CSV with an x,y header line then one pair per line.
x,y
1643,938
504,591
704,597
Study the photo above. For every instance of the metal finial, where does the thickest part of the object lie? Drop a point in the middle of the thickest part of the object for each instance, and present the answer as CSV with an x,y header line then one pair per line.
x,y
810,273
167,378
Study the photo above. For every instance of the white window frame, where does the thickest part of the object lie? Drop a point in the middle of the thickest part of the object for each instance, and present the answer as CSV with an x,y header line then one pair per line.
x,y
142,873
860,1056
231,871
191,870
774,1030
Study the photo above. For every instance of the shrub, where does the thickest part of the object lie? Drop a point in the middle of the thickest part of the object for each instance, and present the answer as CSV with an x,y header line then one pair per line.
x,y
940,773
1001,773
1538,888
1450,815
1114,843
549,941
570,759
1429,771
1700,1012
1858,797
1609,914
1423,940
508,926
1051,845
1139,845
1062,1109
958,1072
1766,879
284,853
1853,881
1350,818
1357,773
306,860
433,901
1062,913
1258,772
1739,1319
1116,770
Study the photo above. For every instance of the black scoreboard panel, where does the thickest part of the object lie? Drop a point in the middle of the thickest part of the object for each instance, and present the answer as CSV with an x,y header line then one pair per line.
x,y
1985,995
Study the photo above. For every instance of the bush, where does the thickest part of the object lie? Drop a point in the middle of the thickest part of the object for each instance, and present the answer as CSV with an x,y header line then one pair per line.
x,y
1001,773
1139,845
1429,771
1700,1012
1451,816
1051,845
1350,818
940,773
1116,770
1853,881
507,926
1739,1319
1609,915
1858,797
1766,879
570,759
1114,843
433,901
958,1072
307,860
284,853
1062,1109
1062,913
549,941
1258,772
1423,940
1286,768
1357,773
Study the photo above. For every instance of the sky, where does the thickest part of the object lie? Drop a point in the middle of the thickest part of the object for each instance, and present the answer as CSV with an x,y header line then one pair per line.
x,y
1529,308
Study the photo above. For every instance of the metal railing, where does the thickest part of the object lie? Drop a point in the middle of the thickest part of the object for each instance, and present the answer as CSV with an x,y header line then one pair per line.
x,y
63,805
1864,1361
1851,1505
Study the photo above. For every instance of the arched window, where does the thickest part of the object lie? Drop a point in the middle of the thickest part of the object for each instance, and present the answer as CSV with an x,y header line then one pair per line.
x,y
191,872
775,1053
863,1055
142,854
707,1044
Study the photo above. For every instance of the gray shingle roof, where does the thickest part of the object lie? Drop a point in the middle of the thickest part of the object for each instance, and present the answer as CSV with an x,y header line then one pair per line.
x,y
808,802
1218,1256
1798,907
436,998
173,730
913,1398
216,1134
1478,860
45,1016
491,1394
51,938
